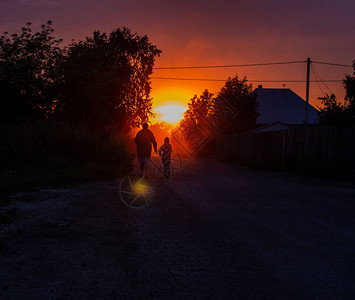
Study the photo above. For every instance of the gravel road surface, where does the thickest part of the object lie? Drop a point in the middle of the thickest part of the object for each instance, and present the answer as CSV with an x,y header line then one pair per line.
x,y
214,231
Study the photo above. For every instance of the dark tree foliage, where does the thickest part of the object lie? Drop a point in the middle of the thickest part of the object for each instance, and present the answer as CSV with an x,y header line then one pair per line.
x,y
199,107
28,73
349,85
238,93
335,113
233,110
100,82
105,80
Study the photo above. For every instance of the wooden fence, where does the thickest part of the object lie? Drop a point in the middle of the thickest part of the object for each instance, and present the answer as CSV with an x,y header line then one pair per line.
x,y
330,149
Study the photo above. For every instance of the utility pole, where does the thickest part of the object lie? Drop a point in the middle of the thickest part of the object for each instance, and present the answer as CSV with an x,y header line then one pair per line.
x,y
307,91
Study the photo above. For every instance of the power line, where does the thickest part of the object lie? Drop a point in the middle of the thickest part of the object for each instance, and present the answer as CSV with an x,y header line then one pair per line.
x,y
249,65
316,72
331,64
250,80
230,66
193,79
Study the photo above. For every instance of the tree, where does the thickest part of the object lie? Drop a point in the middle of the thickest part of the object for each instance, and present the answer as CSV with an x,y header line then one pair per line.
x,y
28,70
199,107
333,112
237,96
349,85
106,80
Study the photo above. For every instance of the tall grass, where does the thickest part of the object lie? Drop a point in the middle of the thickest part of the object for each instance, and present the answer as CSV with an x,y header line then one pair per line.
x,y
53,154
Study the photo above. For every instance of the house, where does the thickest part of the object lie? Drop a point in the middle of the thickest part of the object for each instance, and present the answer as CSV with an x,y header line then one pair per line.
x,y
277,126
284,106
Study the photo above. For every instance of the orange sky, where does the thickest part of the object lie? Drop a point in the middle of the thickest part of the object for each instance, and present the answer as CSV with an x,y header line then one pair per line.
x,y
210,32
184,90
179,92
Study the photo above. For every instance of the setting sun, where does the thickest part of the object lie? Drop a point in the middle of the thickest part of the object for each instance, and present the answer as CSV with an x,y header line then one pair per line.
x,y
171,113
170,104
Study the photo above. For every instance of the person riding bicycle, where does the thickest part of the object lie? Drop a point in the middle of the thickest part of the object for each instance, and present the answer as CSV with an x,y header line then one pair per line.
x,y
144,140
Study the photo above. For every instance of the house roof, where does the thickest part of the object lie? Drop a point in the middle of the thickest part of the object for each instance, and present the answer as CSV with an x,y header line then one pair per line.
x,y
277,126
283,105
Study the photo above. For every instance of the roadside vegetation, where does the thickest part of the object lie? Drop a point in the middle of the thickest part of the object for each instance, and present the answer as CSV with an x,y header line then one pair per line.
x,y
49,154
234,109
336,112
66,112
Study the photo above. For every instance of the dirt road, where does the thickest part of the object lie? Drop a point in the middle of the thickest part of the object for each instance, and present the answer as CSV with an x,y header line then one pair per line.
x,y
215,231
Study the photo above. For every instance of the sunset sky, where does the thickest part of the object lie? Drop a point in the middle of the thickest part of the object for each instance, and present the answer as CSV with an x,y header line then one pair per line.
x,y
198,33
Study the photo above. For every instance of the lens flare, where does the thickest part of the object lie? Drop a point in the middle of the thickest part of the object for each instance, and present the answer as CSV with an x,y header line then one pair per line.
x,y
139,188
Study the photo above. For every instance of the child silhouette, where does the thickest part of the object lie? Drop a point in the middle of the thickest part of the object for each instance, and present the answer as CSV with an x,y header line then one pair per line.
x,y
165,153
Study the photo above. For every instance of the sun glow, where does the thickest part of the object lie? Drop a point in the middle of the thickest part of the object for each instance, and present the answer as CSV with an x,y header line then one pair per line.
x,y
169,104
170,113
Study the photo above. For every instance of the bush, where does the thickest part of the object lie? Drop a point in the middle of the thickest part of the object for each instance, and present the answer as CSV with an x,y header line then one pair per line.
x,y
48,153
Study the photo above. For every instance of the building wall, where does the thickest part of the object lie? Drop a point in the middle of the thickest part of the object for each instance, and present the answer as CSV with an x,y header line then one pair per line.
x,y
283,105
